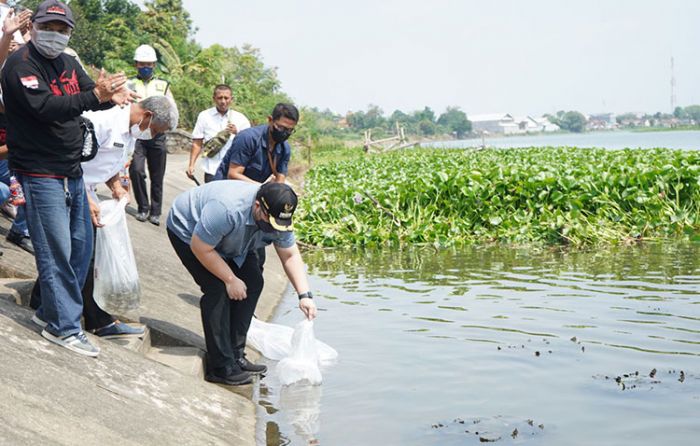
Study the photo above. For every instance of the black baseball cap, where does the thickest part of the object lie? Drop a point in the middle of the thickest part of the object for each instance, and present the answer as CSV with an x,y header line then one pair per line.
x,y
53,10
279,201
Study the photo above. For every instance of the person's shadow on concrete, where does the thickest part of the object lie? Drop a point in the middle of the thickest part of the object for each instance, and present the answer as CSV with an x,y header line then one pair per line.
x,y
164,333
190,299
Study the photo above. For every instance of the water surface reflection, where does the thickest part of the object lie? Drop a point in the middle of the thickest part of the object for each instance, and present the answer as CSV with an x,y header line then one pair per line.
x,y
503,336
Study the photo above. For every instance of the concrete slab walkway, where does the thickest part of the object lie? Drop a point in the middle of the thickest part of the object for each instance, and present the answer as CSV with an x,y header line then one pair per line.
x,y
49,395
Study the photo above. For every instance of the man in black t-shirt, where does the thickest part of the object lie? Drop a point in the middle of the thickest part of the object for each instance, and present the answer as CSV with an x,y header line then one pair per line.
x,y
45,91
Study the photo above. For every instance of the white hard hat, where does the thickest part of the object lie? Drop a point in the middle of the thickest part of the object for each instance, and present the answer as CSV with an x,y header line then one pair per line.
x,y
145,53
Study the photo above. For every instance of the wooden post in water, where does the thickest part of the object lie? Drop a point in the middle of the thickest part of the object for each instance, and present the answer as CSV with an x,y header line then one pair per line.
x,y
398,141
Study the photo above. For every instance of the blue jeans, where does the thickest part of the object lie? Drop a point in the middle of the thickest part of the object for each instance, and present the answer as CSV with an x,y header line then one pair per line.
x,y
61,231
4,192
20,223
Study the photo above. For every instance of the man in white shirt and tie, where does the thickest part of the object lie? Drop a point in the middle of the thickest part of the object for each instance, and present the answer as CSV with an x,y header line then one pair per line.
x,y
210,123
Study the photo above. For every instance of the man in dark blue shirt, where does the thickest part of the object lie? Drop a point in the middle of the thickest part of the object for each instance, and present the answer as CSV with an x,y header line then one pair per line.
x,y
263,151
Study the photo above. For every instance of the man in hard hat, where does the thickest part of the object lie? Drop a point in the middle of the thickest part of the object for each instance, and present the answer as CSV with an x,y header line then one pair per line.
x,y
149,149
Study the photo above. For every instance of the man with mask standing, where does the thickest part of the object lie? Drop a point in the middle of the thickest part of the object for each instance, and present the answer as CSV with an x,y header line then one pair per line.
x,y
45,91
215,230
263,151
149,149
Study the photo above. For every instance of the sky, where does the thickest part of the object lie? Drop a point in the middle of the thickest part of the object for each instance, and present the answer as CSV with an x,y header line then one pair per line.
x,y
488,56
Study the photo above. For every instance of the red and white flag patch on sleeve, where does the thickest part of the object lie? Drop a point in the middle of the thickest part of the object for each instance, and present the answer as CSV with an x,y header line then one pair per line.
x,y
30,82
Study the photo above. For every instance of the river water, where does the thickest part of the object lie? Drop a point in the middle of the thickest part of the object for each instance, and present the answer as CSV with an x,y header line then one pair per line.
x,y
455,347
502,345
610,140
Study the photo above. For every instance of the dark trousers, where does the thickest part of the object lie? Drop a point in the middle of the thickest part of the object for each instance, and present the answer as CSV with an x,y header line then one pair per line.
x,y
154,153
225,321
94,317
208,178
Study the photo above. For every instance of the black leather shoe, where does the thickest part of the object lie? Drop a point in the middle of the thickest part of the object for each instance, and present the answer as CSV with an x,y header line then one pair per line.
x,y
248,366
154,219
20,240
234,377
141,216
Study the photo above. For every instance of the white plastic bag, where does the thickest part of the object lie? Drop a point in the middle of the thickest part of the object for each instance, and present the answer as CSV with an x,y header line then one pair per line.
x,y
302,364
274,341
117,287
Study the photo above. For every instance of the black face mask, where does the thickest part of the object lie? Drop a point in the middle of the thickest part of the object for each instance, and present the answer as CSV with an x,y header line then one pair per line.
x,y
264,226
279,136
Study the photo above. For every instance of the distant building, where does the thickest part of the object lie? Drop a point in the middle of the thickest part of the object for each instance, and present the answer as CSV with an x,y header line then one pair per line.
x,y
491,123
526,124
601,121
507,124
545,125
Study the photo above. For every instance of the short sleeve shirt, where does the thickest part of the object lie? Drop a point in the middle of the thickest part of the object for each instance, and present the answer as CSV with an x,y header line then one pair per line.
x,y
249,149
209,123
220,213
115,145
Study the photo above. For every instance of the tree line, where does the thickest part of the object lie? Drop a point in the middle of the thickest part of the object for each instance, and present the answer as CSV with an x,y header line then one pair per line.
x,y
108,31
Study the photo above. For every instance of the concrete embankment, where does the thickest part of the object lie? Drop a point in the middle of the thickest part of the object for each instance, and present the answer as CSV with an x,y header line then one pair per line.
x,y
147,391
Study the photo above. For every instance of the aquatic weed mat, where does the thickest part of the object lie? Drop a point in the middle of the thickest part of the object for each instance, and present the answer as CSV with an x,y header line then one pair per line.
x,y
551,195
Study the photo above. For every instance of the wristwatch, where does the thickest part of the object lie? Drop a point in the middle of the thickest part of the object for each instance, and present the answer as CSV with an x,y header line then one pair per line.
x,y
306,294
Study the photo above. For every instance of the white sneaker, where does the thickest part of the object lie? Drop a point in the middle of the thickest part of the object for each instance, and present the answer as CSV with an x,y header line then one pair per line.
x,y
77,343
38,321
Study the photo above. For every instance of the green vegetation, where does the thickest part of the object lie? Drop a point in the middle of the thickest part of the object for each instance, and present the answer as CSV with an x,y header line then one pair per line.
x,y
665,129
571,121
550,195
108,31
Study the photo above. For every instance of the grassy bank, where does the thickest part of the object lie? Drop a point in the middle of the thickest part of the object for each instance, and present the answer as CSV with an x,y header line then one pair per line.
x,y
680,128
538,195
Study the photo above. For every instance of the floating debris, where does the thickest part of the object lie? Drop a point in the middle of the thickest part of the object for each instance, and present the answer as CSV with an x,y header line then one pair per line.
x,y
496,429
637,380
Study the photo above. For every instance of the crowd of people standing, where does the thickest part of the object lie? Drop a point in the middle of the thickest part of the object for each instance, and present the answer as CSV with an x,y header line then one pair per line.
x,y
53,113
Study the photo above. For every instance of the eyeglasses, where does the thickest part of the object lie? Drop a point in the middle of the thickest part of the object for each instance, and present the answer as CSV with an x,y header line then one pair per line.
x,y
281,128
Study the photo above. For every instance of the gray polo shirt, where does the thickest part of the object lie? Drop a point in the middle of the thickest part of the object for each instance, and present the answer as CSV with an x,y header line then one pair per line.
x,y
220,213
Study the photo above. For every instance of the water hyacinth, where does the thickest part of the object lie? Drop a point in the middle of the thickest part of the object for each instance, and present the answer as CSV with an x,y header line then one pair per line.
x,y
543,195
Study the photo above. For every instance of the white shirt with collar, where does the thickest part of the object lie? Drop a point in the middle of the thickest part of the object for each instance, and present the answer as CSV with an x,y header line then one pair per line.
x,y
209,123
115,146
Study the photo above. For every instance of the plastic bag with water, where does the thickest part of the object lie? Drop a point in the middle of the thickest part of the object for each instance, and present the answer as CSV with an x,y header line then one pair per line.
x,y
274,341
300,354
302,364
117,288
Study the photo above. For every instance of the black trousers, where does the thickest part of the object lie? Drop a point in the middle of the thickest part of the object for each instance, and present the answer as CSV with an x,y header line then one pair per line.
x,y
225,321
94,317
154,153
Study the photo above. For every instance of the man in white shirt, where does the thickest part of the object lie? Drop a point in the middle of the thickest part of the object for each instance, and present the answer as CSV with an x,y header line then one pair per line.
x,y
116,131
210,123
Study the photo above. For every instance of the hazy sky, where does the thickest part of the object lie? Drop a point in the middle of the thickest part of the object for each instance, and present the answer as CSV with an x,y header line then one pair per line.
x,y
484,56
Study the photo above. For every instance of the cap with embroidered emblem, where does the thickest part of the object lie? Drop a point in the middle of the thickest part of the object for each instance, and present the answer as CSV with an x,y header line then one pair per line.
x,y
53,10
279,201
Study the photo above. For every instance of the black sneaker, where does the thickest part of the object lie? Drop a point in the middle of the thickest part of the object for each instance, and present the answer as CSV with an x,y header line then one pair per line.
x,y
234,377
154,219
21,240
248,366
141,216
